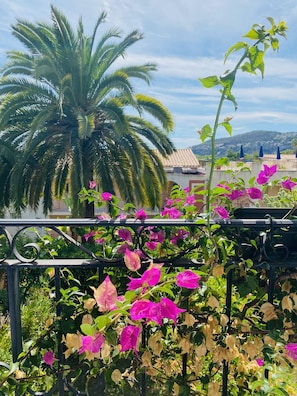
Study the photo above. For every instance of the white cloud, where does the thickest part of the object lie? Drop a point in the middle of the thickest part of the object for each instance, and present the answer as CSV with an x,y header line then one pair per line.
x,y
188,40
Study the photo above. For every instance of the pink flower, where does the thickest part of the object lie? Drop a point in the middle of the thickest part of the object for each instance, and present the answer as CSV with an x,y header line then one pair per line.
x,y
169,202
92,184
188,279
190,200
235,194
180,235
151,245
141,309
49,358
255,193
140,214
125,234
288,184
105,295
269,170
88,235
158,236
292,350
92,344
132,260
221,211
262,178
168,309
260,362
150,277
266,174
100,241
129,338
106,196
172,213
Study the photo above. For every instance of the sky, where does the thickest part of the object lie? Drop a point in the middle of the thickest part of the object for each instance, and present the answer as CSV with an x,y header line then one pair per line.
x,y
188,40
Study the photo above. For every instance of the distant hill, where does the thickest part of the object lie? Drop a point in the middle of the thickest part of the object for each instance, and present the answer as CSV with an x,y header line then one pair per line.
x,y
250,141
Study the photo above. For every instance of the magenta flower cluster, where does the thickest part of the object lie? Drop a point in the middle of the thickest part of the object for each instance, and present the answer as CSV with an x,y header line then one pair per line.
x,y
255,193
141,309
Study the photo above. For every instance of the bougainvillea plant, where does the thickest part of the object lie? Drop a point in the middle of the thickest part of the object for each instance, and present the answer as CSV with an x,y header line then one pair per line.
x,y
170,323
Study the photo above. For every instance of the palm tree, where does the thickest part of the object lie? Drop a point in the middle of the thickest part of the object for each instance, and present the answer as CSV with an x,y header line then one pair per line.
x,y
76,116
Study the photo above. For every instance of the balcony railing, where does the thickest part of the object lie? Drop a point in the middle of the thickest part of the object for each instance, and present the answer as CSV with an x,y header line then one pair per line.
x,y
272,253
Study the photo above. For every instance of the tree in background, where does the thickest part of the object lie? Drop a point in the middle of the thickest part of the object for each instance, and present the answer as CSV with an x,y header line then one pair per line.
x,y
74,114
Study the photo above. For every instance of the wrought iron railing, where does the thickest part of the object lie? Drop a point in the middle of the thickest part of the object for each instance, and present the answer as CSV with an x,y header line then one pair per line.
x,y
276,248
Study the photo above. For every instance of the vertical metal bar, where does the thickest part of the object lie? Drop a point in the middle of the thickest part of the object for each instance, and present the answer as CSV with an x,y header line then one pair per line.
x,y
143,375
13,291
60,346
271,283
228,313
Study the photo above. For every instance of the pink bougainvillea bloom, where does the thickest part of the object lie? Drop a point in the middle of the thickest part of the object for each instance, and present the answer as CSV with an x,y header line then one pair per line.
x,y
100,241
92,184
140,214
134,284
150,277
129,338
105,295
255,193
169,202
158,236
141,309
266,174
106,196
235,194
104,216
168,309
292,350
288,184
122,216
221,211
190,199
172,213
89,234
262,178
269,170
132,260
180,235
152,245
125,234
49,358
188,279
260,362
92,344
187,190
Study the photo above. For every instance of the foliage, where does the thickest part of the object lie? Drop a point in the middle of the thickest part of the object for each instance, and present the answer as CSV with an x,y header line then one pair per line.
x,y
175,326
68,115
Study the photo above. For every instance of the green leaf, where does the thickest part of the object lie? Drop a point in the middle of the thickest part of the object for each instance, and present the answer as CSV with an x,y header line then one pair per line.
x,y
252,34
101,321
227,126
235,47
205,132
210,81
87,329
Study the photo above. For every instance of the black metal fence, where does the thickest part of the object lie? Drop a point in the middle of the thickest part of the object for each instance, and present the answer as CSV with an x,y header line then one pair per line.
x,y
272,252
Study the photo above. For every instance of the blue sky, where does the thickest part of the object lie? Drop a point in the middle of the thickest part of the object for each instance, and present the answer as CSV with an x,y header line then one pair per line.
x,y
188,40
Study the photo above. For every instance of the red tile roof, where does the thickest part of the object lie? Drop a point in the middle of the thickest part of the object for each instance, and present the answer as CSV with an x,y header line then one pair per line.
x,y
184,158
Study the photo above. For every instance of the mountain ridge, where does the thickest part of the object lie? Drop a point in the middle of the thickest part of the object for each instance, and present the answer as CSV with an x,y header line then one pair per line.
x,y
250,142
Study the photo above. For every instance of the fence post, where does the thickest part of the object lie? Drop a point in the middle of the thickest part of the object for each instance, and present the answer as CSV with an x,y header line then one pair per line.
x,y
13,291
228,313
